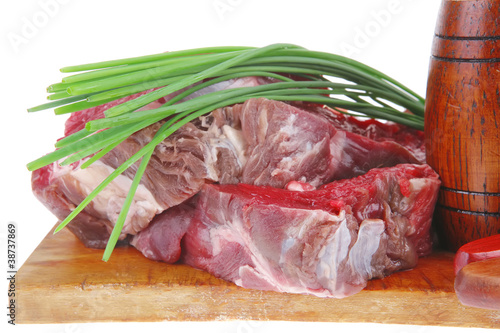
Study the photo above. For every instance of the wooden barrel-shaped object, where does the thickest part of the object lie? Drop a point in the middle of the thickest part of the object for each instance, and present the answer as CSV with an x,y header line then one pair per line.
x,y
462,119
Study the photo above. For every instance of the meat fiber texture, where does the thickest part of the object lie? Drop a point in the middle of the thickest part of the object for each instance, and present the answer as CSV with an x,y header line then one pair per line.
x,y
260,142
326,242
177,170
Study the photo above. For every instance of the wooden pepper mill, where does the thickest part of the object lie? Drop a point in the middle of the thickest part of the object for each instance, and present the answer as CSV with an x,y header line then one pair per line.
x,y
462,119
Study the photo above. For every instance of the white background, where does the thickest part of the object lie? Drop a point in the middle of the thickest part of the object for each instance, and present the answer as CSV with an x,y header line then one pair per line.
x,y
39,37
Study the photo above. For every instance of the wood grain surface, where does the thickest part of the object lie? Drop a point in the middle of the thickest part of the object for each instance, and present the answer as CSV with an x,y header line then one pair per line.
x,y
462,119
62,282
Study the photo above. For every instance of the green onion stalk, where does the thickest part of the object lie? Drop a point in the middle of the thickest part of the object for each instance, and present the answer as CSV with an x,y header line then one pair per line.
x,y
338,82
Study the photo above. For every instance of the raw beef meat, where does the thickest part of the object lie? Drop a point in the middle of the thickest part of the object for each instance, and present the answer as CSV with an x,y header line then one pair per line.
x,y
179,167
286,143
326,242
259,142
162,241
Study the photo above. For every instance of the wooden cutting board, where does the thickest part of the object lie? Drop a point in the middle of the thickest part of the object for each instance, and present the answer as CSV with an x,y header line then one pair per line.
x,y
62,282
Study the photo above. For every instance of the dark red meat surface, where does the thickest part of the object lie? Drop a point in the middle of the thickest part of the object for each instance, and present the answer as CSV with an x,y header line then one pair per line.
x,y
326,242
259,142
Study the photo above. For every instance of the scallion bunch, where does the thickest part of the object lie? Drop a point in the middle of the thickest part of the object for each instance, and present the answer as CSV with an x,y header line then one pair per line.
x,y
361,90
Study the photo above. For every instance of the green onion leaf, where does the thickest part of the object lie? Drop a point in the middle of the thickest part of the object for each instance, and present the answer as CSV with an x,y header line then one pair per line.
x,y
298,74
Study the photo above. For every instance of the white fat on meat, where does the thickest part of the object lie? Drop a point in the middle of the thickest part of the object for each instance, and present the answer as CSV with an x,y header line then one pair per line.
x,y
250,81
297,186
371,237
329,259
332,257
109,201
237,141
341,267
